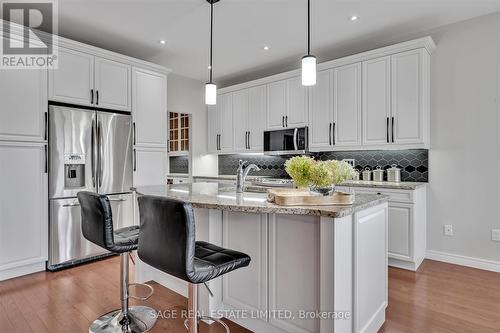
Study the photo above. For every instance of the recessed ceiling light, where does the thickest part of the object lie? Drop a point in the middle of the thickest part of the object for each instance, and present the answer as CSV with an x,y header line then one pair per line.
x,y
354,18
266,48
162,42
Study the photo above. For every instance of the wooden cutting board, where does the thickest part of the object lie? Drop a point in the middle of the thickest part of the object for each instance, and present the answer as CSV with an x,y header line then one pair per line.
x,y
302,197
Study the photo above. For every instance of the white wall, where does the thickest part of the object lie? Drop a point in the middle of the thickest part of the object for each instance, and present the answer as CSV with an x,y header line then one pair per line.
x,y
465,139
187,96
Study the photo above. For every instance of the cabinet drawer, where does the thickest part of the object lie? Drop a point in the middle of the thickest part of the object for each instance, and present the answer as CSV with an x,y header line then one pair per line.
x,y
405,196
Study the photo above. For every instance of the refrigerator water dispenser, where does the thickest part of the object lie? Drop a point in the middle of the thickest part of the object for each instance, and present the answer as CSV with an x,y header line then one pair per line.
x,y
74,170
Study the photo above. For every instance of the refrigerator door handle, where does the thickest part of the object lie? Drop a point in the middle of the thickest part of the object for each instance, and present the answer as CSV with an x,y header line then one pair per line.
x,y
92,151
99,154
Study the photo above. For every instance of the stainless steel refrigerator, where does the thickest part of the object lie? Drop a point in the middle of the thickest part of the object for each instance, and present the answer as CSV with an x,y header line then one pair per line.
x,y
89,150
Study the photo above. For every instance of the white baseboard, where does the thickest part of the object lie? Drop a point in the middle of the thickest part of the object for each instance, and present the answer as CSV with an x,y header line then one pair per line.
x,y
489,265
22,270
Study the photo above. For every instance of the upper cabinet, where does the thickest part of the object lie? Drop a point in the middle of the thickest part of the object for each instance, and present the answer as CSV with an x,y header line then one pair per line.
x,y
89,80
377,101
23,94
149,108
220,125
287,104
374,100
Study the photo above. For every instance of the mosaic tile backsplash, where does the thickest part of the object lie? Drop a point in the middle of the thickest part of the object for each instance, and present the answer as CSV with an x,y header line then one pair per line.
x,y
413,162
179,164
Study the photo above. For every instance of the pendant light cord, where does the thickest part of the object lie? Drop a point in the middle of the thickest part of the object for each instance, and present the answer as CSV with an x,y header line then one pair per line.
x,y
308,27
211,35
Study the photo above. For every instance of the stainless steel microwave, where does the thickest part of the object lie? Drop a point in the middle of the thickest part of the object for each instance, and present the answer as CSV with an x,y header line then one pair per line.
x,y
290,141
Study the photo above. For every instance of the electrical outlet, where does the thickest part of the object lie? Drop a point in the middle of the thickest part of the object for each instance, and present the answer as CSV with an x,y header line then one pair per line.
x,y
495,235
448,230
351,161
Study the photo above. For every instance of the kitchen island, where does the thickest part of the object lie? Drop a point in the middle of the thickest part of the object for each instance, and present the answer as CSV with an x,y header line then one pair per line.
x,y
313,269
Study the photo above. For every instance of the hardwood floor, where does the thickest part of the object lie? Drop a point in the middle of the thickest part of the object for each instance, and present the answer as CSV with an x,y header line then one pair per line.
x,y
438,298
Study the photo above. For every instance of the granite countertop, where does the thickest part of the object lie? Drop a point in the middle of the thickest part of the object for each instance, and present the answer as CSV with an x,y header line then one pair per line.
x,y
178,175
230,177
388,185
224,197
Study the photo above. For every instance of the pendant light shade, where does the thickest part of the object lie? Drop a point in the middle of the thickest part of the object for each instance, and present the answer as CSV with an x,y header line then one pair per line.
x,y
308,70
211,87
210,93
308,61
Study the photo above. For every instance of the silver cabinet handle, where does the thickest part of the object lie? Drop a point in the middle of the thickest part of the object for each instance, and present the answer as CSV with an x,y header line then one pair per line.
x,y
286,121
97,97
91,96
283,121
46,126
133,131
387,130
46,168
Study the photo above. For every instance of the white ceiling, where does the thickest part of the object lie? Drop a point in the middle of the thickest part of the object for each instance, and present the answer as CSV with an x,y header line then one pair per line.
x,y
243,27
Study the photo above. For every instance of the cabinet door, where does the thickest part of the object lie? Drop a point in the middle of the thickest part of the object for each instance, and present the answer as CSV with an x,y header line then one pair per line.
x,y
276,104
213,128
246,288
149,107
407,97
297,104
321,115
112,84
23,94
73,79
376,101
400,230
347,105
240,120
226,123
23,206
150,166
257,117
302,235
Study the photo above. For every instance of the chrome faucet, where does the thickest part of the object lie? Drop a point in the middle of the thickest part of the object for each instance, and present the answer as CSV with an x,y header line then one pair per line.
x,y
242,174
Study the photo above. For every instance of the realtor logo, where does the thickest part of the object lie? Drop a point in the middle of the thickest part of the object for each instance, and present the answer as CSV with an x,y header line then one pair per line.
x,y
29,34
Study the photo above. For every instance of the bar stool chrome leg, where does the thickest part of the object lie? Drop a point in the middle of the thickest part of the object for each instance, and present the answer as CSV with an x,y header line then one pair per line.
x,y
135,319
191,323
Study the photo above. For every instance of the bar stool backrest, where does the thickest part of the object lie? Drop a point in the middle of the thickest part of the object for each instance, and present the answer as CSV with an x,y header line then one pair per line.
x,y
97,219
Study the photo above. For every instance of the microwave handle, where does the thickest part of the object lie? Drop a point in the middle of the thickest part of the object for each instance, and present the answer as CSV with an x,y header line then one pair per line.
x,y
295,137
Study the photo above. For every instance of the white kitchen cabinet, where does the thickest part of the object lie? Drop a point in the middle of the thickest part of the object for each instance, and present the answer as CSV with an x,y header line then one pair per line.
x,y
150,166
408,97
376,101
276,105
246,288
347,106
240,120
23,209
23,96
297,111
149,108
321,112
302,234
73,80
249,112
256,117
226,123
112,84
213,129
287,104
407,224
85,79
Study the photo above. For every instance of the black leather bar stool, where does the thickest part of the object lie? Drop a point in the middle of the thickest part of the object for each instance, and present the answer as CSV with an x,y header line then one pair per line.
x,y
97,227
167,242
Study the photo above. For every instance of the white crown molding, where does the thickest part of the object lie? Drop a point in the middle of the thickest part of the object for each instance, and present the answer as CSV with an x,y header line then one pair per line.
x,y
426,43
488,265
17,30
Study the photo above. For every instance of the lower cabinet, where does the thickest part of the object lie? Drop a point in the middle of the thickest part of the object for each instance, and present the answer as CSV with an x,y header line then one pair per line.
x,y
150,166
23,209
406,225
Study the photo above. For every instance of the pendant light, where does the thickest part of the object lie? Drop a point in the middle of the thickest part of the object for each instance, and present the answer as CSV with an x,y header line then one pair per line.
x,y
308,61
211,87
